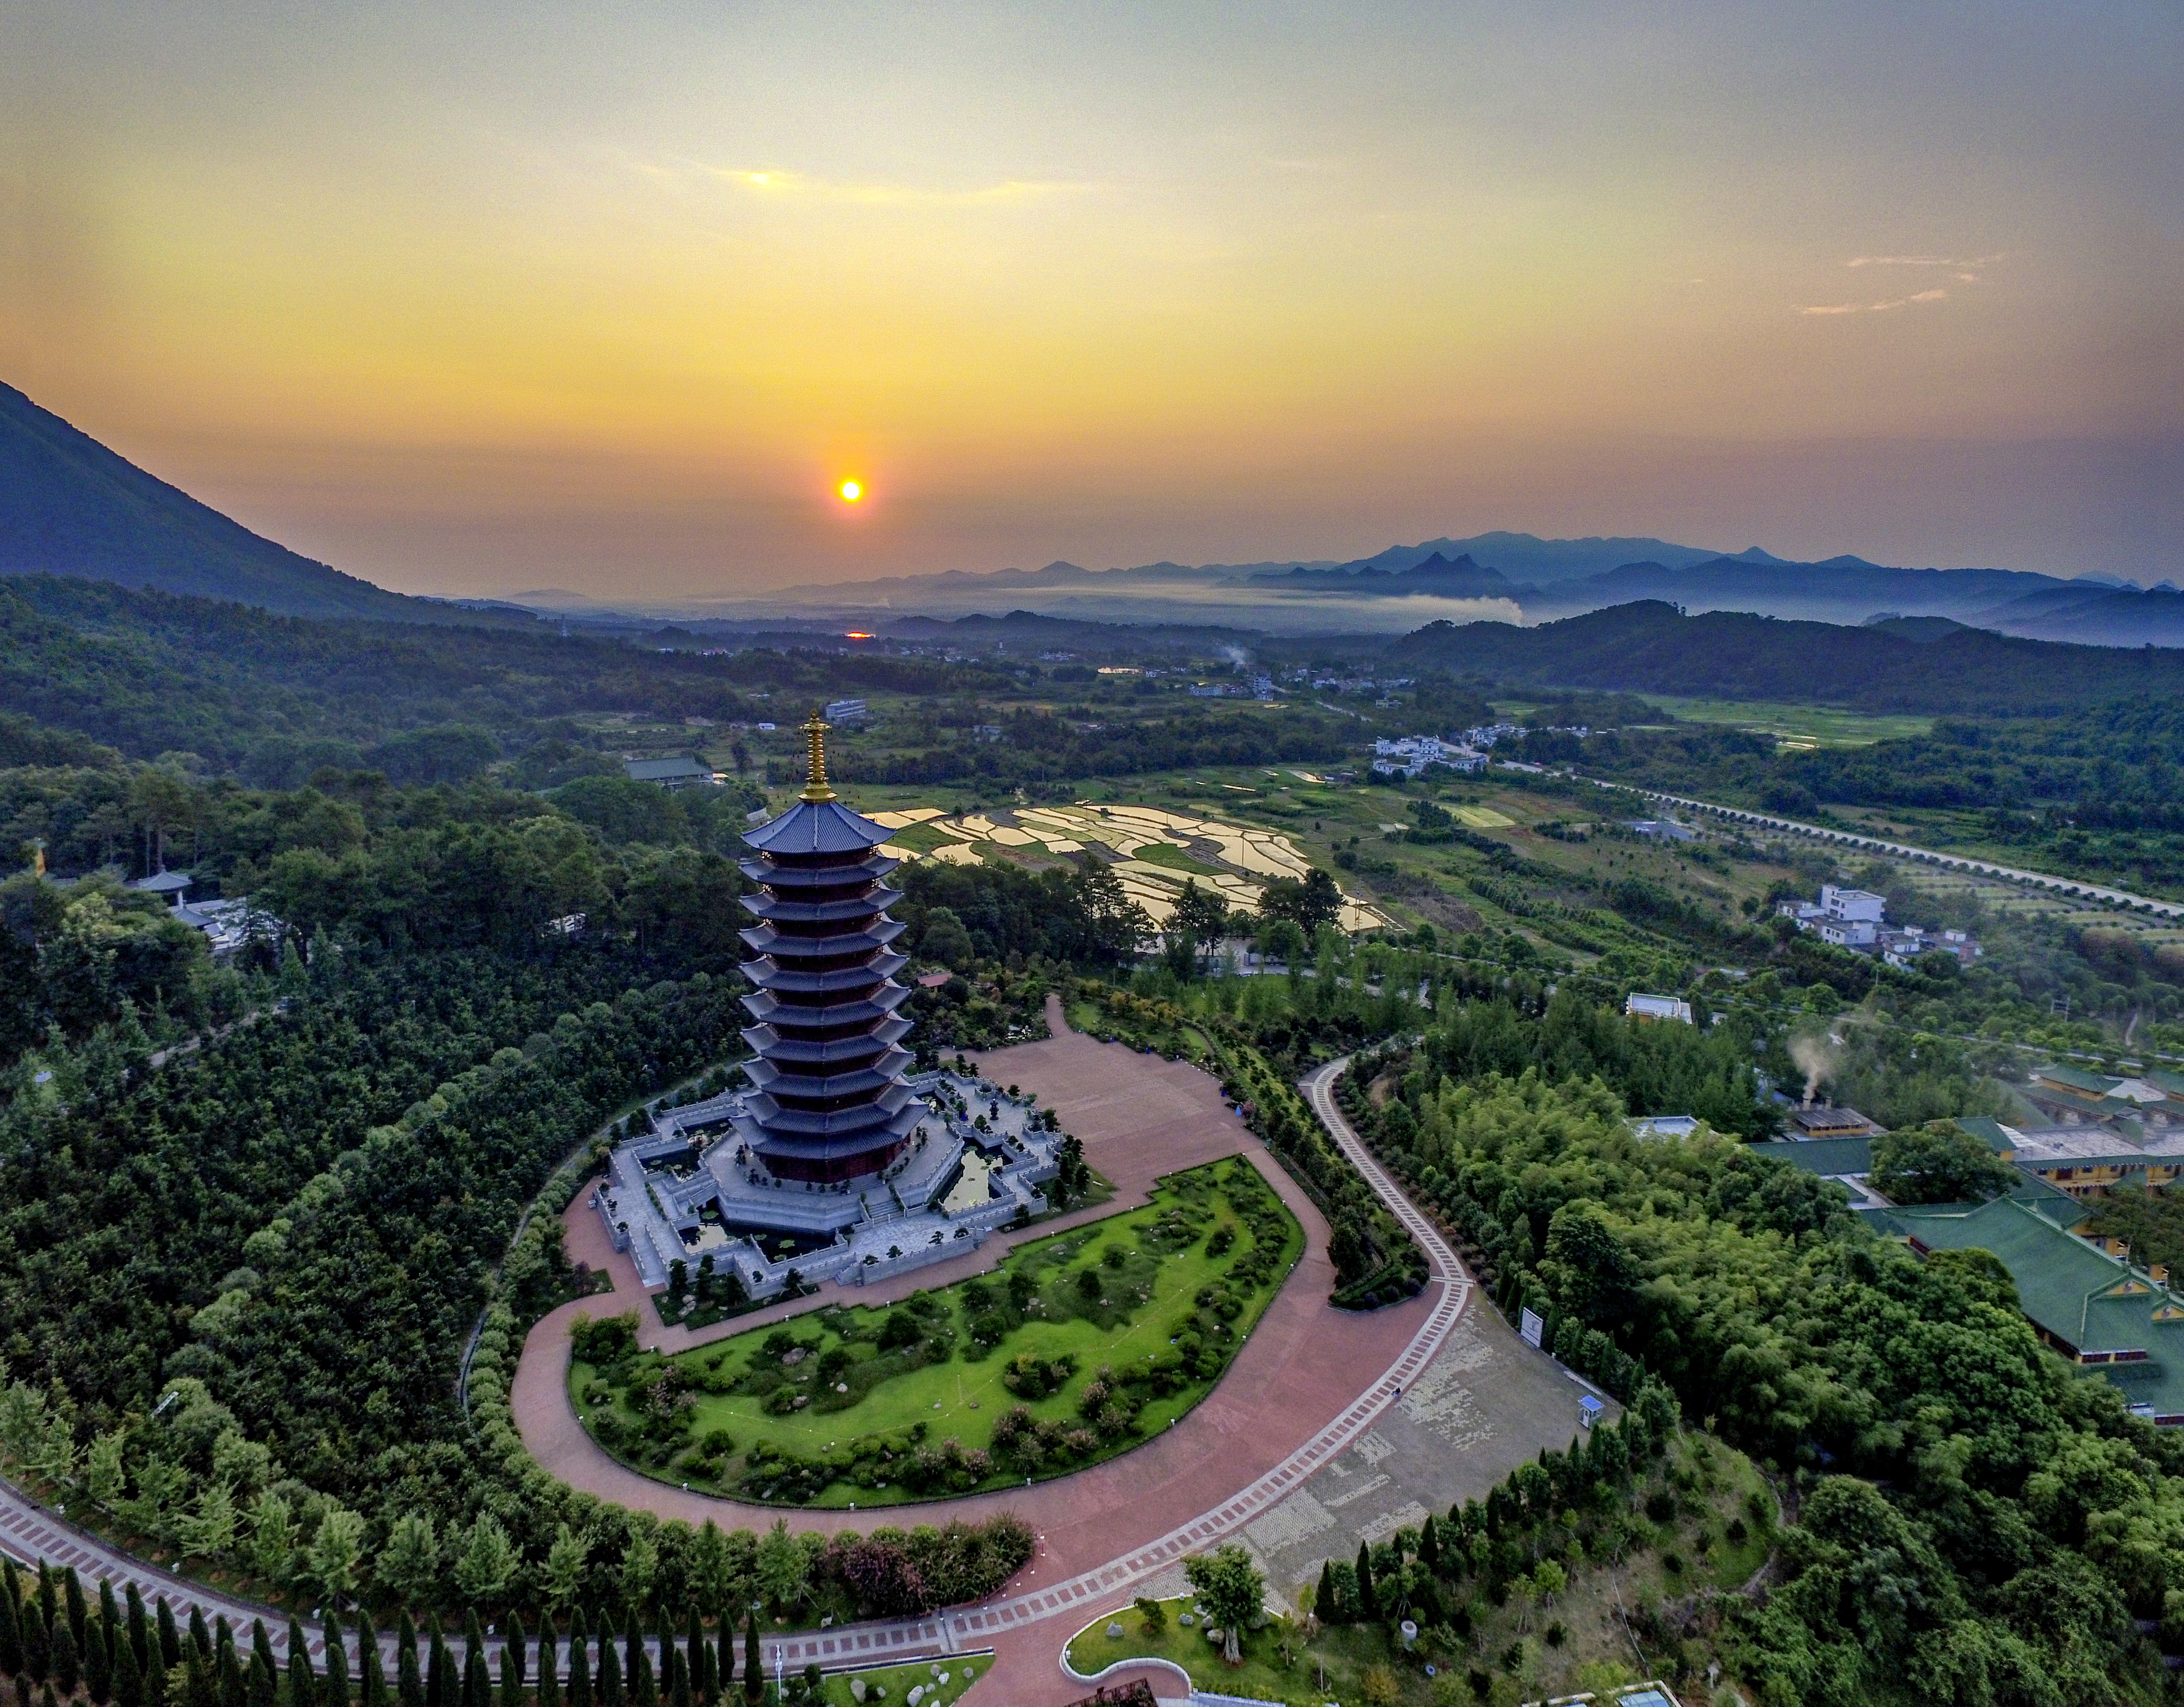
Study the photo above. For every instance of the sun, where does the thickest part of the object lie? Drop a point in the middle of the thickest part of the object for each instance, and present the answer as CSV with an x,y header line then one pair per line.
x,y
852,491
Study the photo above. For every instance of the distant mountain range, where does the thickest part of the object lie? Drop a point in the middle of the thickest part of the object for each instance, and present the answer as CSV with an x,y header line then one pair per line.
x,y
1904,664
71,506
1515,577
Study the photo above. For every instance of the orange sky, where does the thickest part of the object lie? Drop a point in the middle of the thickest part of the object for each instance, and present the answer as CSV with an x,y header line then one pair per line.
x,y
503,299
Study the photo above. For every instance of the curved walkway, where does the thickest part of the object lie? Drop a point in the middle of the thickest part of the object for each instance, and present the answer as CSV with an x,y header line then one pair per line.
x,y
1289,1404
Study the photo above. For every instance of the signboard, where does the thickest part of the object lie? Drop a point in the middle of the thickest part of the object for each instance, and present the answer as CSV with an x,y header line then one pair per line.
x,y
1529,1327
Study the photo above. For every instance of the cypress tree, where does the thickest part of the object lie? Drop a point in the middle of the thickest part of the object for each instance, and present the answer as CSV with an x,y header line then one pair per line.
x,y
635,1661
128,1676
67,1663
517,1643
693,1648
201,1635
262,1689
550,1663
724,1672
25,1696
473,1642
409,1680
754,1667
261,1648
1429,1545
155,1684
46,1697
580,1660
170,1639
234,1689
1325,1604
98,1663
439,1680
678,1679
609,1688
140,1631
371,1680
37,1655
11,1633
643,1690
1369,1602
303,1682
49,1598
334,1691
511,1678
109,1610
78,1614
477,1678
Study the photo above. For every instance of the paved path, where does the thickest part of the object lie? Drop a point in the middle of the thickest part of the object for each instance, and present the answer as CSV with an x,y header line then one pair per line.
x,y
1289,1405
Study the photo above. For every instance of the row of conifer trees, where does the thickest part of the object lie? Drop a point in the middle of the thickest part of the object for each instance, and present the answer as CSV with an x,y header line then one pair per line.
x,y
54,1643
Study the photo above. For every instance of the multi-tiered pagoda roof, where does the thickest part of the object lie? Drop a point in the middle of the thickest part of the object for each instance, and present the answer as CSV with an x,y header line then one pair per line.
x,y
830,1104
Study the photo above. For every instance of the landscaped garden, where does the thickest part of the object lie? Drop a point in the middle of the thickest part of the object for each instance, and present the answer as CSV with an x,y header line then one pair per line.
x,y
1584,1572
1077,1348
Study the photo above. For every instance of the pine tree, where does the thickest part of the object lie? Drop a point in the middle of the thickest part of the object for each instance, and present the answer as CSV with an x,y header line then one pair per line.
x,y
409,1679
1369,1602
97,1664
333,1691
580,1660
754,1667
67,1662
303,1682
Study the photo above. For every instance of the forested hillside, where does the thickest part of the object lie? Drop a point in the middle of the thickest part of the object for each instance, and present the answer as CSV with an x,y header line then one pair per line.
x,y
1975,1522
73,507
1651,647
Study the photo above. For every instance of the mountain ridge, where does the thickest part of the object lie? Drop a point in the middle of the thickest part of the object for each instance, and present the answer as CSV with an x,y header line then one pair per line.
x,y
69,506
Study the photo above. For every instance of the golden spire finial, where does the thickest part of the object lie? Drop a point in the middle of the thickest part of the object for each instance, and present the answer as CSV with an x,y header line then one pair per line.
x,y
816,787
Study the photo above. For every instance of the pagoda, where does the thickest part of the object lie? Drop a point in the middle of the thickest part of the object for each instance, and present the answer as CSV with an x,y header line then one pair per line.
x,y
830,1105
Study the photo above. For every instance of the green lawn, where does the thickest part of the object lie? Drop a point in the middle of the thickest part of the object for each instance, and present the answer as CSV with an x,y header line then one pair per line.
x,y
876,1406
1817,725
890,1685
1175,859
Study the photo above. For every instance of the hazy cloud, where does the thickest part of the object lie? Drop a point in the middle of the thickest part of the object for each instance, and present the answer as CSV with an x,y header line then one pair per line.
x,y
1934,295
1925,260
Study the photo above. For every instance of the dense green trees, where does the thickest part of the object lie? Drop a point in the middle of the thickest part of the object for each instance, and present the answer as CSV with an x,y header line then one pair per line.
x,y
2013,1521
